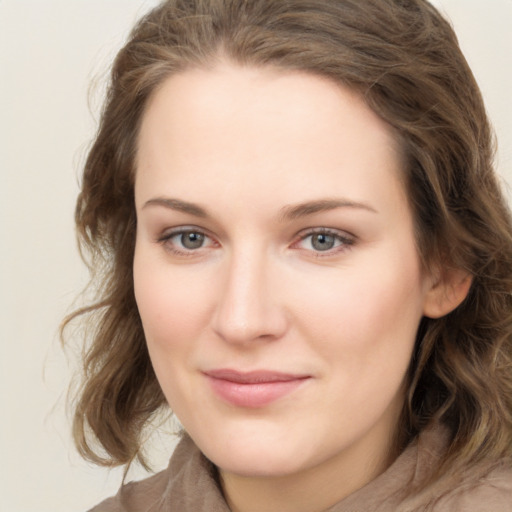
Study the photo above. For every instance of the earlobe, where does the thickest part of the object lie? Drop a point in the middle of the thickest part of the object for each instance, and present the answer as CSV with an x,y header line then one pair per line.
x,y
447,292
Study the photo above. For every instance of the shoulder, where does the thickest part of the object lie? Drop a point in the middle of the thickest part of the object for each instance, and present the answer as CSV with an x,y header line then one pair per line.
x,y
147,495
490,492
189,484
141,496
482,487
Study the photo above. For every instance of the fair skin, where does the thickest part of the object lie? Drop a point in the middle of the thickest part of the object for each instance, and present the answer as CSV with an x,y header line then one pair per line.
x,y
278,280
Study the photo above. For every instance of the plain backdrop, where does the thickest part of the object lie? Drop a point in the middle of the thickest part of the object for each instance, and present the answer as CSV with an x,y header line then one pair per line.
x,y
50,53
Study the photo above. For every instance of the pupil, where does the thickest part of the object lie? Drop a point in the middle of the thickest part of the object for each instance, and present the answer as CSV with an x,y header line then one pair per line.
x,y
192,240
322,242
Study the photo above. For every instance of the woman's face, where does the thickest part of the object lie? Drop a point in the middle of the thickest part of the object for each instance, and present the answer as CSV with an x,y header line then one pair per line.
x,y
276,272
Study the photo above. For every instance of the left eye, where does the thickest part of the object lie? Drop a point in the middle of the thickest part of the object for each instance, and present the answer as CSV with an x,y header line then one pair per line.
x,y
324,241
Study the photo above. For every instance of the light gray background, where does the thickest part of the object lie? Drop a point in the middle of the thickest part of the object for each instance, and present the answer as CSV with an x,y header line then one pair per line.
x,y
50,52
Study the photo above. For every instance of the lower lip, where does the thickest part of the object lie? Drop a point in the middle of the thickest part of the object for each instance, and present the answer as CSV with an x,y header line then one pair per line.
x,y
255,395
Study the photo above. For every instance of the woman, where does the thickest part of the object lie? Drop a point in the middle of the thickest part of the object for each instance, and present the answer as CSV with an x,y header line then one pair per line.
x,y
302,250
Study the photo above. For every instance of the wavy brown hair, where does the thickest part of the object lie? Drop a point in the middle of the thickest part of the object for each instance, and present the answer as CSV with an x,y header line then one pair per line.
x,y
404,59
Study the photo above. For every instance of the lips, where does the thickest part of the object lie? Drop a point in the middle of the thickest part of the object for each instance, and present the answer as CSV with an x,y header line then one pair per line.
x,y
253,389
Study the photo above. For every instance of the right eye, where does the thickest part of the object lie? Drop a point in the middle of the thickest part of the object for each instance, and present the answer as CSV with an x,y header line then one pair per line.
x,y
190,240
185,241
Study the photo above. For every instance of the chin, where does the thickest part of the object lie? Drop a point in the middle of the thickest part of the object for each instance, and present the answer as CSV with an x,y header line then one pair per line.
x,y
259,464
254,455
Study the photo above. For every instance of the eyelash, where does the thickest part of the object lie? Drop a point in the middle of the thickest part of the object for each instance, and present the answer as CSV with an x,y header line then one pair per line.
x,y
344,241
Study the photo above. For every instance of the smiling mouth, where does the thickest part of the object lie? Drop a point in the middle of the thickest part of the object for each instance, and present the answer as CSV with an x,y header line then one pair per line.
x,y
253,389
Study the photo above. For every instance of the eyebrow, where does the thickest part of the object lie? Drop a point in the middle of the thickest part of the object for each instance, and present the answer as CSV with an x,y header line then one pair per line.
x,y
289,212
178,205
311,207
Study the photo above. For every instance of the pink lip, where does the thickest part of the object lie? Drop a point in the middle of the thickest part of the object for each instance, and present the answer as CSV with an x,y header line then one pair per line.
x,y
253,389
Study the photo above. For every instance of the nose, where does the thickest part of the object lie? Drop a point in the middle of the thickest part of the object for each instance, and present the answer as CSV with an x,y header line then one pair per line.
x,y
248,307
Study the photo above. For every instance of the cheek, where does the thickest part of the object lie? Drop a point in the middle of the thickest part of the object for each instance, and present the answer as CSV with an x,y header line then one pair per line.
x,y
367,310
171,304
172,307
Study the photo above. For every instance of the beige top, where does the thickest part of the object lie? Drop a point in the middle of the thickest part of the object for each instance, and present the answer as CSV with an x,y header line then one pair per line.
x,y
189,485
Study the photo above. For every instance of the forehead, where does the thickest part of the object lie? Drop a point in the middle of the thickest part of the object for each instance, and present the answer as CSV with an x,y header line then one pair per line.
x,y
246,126
229,93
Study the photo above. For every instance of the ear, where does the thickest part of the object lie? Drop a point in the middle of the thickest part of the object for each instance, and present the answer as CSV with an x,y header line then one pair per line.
x,y
447,291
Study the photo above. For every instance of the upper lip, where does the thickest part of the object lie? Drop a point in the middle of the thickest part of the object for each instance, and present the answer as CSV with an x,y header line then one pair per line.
x,y
253,377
